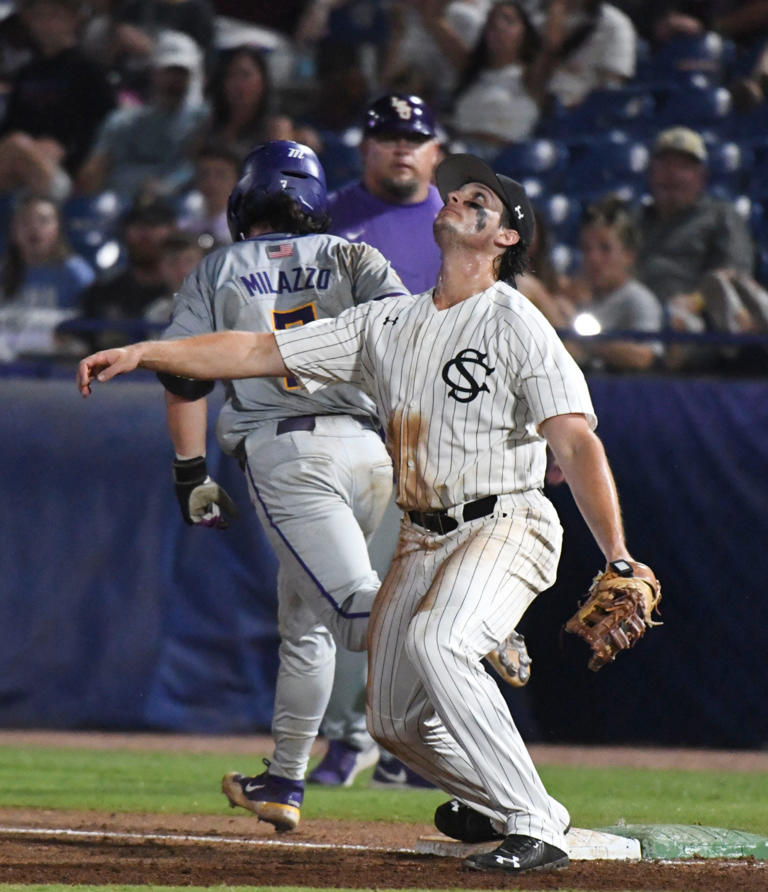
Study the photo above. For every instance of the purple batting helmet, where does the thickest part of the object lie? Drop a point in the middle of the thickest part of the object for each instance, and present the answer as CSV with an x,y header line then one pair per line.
x,y
399,113
272,168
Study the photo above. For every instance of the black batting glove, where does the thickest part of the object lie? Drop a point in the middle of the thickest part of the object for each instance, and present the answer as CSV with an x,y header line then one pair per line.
x,y
201,500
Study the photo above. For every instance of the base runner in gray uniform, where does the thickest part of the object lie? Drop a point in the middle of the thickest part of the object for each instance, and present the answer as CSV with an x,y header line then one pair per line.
x,y
318,473
471,384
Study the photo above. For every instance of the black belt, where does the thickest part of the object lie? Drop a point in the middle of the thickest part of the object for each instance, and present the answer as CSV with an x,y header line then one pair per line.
x,y
307,423
442,522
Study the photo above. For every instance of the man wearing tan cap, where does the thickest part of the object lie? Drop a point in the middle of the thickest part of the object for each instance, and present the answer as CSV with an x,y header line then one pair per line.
x,y
697,253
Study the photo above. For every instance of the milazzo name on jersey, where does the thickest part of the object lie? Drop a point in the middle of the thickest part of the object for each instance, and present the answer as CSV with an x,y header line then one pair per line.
x,y
298,278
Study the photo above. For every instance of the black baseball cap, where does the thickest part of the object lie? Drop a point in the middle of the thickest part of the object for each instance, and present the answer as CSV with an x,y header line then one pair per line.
x,y
456,171
399,113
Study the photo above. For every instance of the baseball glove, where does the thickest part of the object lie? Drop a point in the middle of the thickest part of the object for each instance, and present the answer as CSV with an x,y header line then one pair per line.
x,y
616,611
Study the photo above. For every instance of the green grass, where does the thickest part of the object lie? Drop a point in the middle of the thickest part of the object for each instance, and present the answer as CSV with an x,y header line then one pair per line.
x,y
175,783
184,783
599,797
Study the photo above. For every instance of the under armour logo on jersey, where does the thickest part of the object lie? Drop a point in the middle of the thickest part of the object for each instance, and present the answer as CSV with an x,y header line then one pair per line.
x,y
467,388
390,320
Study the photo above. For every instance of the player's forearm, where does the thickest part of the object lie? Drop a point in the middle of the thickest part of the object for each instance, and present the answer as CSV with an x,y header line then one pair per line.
x,y
595,495
230,354
589,477
226,354
187,424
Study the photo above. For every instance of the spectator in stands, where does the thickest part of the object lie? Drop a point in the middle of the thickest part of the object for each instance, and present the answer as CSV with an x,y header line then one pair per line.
x,y
750,91
607,294
58,100
17,45
180,253
338,59
146,151
41,279
125,295
429,44
282,17
689,237
587,44
394,205
242,102
697,253
204,209
345,34
743,21
495,102
195,18
122,34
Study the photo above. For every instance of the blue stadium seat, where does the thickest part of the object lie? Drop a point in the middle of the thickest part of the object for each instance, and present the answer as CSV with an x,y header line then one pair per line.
x,y
757,183
628,108
561,214
340,157
728,164
605,165
695,106
686,57
543,159
535,187
566,259
751,128
189,203
91,222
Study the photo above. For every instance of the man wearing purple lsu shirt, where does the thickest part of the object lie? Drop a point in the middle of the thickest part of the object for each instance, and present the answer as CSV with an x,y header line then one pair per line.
x,y
394,205
392,208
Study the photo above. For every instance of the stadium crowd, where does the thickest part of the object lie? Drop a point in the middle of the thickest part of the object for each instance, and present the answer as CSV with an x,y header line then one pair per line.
x,y
638,129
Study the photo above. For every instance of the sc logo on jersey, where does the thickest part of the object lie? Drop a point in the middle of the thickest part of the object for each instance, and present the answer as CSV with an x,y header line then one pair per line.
x,y
456,374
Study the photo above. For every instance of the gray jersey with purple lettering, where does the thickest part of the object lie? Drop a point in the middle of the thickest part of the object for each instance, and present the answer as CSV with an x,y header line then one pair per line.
x,y
274,282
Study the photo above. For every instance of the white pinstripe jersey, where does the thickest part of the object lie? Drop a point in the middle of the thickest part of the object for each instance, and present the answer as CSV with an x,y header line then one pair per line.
x,y
273,282
460,391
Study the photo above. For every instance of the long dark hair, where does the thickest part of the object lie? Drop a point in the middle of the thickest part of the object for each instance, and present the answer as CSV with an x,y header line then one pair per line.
x,y
514,261
13,267
219,105
478,58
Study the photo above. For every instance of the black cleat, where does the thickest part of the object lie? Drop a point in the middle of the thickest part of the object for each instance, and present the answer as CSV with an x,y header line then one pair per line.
x,y
461,822
518,854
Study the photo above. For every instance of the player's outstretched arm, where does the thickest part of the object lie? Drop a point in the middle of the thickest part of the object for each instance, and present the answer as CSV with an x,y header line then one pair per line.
x,y
582,459
225,354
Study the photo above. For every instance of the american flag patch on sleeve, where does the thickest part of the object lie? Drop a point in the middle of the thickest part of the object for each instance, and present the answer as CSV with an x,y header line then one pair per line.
x,y
284,249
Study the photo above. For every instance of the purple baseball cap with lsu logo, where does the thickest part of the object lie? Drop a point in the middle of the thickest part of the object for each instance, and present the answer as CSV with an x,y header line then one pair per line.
x,y
456,171
399,113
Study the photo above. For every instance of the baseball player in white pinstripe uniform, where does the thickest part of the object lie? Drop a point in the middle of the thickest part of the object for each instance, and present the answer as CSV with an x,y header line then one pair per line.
x,y
471,383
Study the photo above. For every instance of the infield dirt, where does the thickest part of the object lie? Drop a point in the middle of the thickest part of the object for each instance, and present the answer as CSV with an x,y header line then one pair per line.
x,y
239,850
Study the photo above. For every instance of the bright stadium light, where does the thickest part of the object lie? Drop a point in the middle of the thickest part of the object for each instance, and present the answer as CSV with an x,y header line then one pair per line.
x,y
586,324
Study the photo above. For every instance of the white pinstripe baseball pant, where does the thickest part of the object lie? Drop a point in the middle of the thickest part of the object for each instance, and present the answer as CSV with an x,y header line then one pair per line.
x,y
445,603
